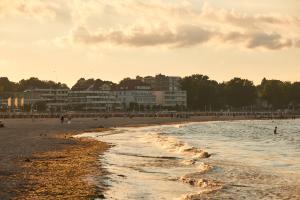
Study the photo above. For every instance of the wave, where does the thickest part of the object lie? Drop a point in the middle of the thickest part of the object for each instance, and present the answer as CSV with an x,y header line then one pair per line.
x,y
192,157
205,187
152,157
174,145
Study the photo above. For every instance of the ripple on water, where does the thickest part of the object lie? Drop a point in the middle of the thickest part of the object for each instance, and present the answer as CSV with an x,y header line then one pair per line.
x,y
166,162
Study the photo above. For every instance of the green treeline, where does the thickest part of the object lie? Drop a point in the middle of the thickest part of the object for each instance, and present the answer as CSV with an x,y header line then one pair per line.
x,y
91,84
8,86
202,92
239,94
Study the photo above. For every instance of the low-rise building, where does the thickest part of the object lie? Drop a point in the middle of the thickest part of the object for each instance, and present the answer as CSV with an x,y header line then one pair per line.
x,y
4,103
135,95
136,98
101,100
53,99
11,100
162,83
171,98
131,94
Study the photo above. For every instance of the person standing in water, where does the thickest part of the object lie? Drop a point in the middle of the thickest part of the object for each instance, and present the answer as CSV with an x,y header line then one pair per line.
x,y
275,130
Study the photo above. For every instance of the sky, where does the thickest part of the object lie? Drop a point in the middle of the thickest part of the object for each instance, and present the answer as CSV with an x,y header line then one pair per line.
x,y
113,39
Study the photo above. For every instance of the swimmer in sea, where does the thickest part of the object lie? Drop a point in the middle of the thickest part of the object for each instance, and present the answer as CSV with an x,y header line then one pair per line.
x,y
275,130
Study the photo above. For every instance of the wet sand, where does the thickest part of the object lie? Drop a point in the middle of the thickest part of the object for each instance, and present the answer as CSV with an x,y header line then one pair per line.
x,y
39,159
165,162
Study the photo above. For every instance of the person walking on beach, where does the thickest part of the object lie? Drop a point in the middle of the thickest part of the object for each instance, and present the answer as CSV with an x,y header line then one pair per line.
x,y
275,130
62,119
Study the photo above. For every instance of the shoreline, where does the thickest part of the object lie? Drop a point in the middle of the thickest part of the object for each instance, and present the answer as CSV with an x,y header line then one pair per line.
x,y
48,148
70,173
198,178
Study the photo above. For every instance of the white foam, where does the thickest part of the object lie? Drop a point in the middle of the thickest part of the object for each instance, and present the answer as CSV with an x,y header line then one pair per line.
x,y
152,161
173,144
205,186
204,167
189,162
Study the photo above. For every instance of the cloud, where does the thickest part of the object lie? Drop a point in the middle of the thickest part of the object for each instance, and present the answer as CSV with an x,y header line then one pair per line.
x,y
245,20
181,11
175,24
178,25
269,41
38,9
182,36
139,37
298,43
254,40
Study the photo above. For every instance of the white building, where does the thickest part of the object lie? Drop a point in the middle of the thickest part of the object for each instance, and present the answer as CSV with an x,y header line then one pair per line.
x,y
162,83
171,98
55,99
136,96
101,100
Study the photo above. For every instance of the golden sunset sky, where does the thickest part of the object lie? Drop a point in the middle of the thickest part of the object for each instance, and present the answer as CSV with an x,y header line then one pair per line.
x,y
64,40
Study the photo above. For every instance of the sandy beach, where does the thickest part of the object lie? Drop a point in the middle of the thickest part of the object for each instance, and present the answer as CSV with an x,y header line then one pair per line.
x,y
34,154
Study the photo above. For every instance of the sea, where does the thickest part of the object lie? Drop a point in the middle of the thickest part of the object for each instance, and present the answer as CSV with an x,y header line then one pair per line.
x,y
203,160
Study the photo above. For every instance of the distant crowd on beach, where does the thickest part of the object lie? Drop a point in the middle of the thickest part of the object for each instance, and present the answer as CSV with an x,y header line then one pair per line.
x,y
69,116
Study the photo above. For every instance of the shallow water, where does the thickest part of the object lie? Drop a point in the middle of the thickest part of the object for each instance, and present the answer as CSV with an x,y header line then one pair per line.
x,y
165,162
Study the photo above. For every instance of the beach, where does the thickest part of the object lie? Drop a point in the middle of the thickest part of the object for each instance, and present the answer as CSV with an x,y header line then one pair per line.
x,y
41,158
240,159
31,149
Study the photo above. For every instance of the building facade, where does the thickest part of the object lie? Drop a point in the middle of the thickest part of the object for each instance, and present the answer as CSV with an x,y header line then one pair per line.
x,y
171,98
101,100
52,99
136,97
167,90
142,93
11,102
162,83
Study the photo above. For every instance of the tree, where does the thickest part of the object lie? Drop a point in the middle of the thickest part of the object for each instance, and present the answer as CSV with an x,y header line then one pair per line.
x,y
128,83
295,93
275,92
240,92
35,83
202,93
91,84
7,86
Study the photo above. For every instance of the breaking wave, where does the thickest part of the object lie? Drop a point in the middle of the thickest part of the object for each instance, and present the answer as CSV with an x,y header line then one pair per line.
x,y
173,144
236,160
